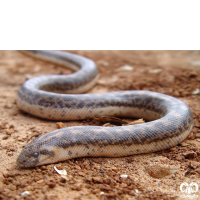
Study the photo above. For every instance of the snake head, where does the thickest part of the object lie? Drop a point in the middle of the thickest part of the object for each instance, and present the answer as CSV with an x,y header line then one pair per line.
x,y
29,156
34,155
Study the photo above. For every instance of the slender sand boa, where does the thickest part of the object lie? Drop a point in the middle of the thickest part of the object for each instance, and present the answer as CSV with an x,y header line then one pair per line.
x,y
170,119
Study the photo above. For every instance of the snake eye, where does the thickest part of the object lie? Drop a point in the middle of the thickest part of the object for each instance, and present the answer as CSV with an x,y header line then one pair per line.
x,y
35,155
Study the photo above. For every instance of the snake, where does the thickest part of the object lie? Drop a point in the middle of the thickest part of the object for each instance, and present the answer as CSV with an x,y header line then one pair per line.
x,y
63,98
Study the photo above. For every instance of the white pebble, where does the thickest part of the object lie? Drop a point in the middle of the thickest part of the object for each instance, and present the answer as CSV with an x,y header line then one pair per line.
x,y
197,91
61,172
25,193
124,176
155,71
105,63
127,68
102,193
195,63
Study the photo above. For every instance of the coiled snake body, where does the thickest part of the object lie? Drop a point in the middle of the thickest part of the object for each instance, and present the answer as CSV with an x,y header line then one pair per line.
x,y
170,120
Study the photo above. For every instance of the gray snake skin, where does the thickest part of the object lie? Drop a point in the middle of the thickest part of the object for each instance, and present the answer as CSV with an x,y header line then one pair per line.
x,y
169,119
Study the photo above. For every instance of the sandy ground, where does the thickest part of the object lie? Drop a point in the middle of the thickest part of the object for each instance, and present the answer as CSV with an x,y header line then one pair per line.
x,y
149,176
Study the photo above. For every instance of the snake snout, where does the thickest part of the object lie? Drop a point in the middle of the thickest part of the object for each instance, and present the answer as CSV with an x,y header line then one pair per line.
x,y
27,157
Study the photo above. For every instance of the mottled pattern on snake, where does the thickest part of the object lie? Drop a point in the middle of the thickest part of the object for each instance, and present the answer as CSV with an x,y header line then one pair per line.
x,y
170,119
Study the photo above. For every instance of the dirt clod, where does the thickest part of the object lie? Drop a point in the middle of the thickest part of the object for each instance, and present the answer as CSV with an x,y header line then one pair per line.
x,y
97,180
60,125
51,184
190,155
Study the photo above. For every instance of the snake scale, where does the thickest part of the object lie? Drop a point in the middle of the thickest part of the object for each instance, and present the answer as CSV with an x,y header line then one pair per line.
x,y
55,97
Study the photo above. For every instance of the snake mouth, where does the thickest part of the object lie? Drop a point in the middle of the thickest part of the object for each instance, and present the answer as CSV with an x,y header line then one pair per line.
x,y
30,164
26,162
44,162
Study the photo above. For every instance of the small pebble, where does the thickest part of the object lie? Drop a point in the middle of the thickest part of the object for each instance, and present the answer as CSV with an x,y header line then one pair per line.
x,y
36,135
5,137
43,167
184,144
60,125
129,160
77,187
193,74
105,63
9,131
127,68
190,155
25,193
88,179
197,135
195,63
97,179
107,181
114,169
191,136
51,184
77,167
173,149
61,172
32,127
63,179
195,92
40,181
124,176
81,174
155,71
11,126
159,171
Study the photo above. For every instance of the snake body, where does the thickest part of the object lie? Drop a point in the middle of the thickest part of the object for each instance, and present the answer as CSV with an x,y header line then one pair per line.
x,y
170,119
